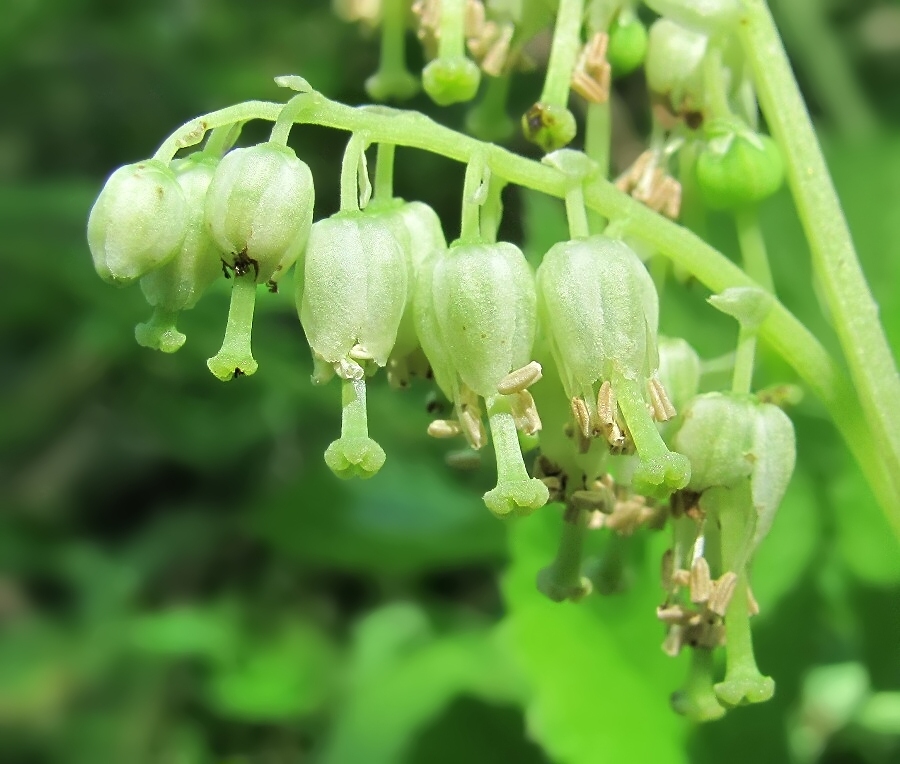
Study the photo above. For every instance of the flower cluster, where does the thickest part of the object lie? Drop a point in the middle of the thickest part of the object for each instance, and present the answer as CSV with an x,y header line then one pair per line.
x,y
560,368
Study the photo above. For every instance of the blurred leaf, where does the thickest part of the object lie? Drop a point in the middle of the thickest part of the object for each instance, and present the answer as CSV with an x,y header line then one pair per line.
x,y
391,701
286,676
187,631
597,686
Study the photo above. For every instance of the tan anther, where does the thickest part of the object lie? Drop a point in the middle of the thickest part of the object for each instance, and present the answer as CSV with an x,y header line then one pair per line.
x,y
701,585
497,40
663,410
444,428
582,416
428,29
592,501
367,11
520,379
554,484
629,179
606,414
596,521
673,614
752,604
472,426
672,644
592,75
651,185
629,515
525,413
723,591
474,19
681,577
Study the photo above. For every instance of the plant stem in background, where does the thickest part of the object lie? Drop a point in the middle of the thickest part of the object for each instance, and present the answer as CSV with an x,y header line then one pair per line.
x,y
563,53
753,247
384,171
835,263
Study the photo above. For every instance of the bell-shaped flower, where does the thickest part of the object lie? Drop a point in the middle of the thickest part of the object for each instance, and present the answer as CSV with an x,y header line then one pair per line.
x,y
742,456
600,311
138,222
707,16
351,297
178,284
476,319
259,209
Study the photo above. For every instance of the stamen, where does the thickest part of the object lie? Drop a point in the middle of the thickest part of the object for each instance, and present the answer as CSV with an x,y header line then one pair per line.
x,y
525,412
359,353
593,501
592,76
663,410
444,428
701,585
582,417
723,591
520,379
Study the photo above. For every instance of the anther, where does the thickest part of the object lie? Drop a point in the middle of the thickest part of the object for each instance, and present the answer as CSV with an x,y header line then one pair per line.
x,y
525,413
701,586
592,501
520,379
444,428
723,591
662,407
359,353
582,416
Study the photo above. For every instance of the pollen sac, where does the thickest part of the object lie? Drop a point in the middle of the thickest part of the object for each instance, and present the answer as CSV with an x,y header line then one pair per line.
x,y
600,311
708,16
732,438
738,167
353,290
138,222
674,65
476,319
259,209
178,284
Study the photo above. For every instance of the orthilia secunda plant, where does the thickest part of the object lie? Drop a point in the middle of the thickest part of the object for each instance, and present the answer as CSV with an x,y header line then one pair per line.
x,y
633,434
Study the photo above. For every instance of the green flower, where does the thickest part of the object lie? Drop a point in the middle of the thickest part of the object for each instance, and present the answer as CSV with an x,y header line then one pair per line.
x,y
600,312
674,65
476,320
178,284
138,222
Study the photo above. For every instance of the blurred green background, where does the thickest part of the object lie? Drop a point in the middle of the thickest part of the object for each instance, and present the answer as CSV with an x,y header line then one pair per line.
x,y
183,582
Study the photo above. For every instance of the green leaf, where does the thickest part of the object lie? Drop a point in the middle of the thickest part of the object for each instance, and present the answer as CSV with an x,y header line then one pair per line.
x,y
186,631
598,677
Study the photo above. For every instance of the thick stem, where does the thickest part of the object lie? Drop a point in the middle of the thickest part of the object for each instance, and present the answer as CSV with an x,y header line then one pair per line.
x,y
488,119
221,139
492,210
834,258
717,106
597,145
753,247
563,53
235,359
697,699
384,172
159,333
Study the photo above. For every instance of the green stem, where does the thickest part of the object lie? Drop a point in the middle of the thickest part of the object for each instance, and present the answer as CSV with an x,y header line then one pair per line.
x,y
597,145
354,415
563,53
354,454
488,119
452,43
742,379
835,262
717,106
222,138
576,214
235,358
393,38
782,331
697,699
492,209
384,172
753,247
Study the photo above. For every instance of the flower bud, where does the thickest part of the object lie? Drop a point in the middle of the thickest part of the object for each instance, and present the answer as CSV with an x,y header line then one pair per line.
x,y
627,44
259,209
674,70
737,168
178,284
707,16
138,222
600,310
449,80
550,127
476,319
